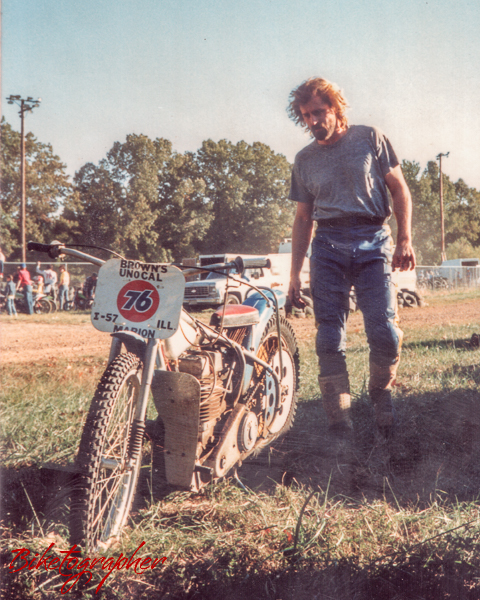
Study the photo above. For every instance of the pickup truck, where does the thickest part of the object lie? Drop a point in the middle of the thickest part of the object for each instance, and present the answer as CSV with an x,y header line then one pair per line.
x,y
212,290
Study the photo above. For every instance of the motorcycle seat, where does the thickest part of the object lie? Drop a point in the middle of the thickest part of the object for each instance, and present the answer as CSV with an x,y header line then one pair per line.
x,y
236,315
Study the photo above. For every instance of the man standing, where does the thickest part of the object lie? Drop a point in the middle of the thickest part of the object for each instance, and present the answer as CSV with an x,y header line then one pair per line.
x,y
49,279
25,282
64,284
90,286
341,181
2,263
10,295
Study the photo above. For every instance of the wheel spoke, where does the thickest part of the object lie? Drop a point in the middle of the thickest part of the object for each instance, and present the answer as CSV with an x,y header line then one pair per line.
x,y
105,500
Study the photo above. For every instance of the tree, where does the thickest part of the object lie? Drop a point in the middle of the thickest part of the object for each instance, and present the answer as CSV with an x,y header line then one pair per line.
x,y
247,186
184,211
46,183
114,204
461,212
141,200
462,248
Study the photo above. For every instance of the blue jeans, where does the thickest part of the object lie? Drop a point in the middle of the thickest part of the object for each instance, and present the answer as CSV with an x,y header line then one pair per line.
x,y
11,310
63,295
27,294
360,256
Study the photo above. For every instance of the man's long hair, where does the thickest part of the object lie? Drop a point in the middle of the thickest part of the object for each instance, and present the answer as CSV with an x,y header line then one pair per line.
x,y
329,93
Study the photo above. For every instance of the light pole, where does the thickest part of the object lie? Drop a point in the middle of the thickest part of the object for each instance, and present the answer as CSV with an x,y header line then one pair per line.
x,y
439,158
26,105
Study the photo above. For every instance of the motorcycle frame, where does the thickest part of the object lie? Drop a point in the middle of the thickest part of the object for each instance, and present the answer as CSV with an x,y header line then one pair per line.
x,y
150,351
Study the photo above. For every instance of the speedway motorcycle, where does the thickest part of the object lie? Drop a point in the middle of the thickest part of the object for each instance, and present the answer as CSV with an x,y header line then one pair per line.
x,y
222,391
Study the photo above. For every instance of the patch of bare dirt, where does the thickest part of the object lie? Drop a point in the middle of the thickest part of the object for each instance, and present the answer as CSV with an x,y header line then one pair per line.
x,y
467,311
36,342
32,342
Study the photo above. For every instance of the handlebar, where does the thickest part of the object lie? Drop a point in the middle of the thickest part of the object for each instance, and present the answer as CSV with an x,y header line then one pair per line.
x,y
55,249
40,247
255,263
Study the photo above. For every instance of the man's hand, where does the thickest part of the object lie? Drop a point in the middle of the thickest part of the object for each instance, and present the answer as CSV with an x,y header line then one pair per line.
x,y
294,293
301,236
404,257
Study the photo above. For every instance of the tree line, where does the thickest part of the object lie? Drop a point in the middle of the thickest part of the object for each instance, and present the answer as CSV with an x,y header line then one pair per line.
x,y
149,202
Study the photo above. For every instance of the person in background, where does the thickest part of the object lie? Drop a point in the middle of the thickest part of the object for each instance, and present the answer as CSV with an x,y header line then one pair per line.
x,y
64,284
90,286
49,279
38,283
2,263
10,291
24,282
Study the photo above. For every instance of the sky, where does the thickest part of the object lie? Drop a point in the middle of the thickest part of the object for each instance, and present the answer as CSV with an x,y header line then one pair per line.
x,y
192,70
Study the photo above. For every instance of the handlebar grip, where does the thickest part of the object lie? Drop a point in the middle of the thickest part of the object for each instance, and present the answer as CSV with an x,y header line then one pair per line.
x,y
38,247
257,263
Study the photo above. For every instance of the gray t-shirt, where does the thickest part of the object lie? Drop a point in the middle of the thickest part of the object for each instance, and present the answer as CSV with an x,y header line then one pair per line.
x,y
346,178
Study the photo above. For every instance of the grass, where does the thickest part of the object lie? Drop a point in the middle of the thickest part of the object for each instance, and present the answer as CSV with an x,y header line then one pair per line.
x,y
387,521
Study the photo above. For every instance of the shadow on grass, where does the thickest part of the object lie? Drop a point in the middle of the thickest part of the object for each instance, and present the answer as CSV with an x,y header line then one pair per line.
x,y
434,453
421,575
38,497
458,344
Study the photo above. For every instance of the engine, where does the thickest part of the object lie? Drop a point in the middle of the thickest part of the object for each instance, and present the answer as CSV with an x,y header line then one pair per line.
x,y
215,378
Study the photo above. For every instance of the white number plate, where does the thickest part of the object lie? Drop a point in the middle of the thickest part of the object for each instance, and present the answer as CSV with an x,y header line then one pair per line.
x,y
140,297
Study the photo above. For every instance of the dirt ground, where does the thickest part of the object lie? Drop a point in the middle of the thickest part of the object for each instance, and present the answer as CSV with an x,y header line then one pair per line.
x,y
32,342
36,342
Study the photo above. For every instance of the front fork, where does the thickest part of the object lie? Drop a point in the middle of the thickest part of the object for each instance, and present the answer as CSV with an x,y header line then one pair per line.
x,y
148,353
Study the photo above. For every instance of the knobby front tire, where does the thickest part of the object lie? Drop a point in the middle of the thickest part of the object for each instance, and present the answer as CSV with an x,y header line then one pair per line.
x,y
105,486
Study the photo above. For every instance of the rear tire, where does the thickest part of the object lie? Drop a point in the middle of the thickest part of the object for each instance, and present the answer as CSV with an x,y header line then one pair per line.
x,y
105,485
277,423
42,307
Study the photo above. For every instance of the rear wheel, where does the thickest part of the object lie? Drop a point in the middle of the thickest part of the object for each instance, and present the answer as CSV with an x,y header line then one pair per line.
x,y
42,306
277,422
107,462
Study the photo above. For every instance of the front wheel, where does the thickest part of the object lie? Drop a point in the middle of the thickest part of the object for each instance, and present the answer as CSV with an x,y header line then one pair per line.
x,y
106,481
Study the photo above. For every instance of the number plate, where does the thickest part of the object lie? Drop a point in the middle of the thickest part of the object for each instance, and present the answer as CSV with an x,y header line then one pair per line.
x,y
140,297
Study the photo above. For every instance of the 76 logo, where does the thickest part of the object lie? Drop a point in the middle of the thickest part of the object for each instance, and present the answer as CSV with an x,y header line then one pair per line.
x,y
138,301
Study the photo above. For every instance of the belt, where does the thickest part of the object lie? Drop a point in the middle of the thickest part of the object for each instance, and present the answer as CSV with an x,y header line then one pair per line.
x,y
351,221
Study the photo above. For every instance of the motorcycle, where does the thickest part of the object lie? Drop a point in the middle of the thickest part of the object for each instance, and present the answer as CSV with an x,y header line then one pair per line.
x,y
79,302
222,391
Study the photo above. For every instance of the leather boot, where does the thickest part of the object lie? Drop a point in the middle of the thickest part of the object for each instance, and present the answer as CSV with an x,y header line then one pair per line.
x,y
336,402
380,390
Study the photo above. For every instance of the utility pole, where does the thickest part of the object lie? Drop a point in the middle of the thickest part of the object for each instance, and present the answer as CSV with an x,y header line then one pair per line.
x,y
26,105
439,158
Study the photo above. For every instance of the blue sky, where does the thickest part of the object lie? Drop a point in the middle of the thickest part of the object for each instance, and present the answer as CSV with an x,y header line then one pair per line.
x,y
190,70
